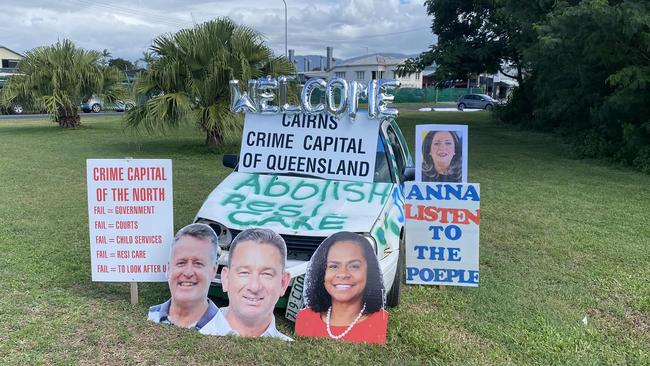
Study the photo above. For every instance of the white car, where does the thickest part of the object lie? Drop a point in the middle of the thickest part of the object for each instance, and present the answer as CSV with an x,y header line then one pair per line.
x,y
305,210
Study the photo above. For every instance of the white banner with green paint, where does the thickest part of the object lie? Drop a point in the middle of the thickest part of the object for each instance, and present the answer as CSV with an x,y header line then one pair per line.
x,y
294,204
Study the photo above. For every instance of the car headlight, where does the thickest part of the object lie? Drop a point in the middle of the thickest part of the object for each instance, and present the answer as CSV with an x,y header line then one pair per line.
x,y
224,234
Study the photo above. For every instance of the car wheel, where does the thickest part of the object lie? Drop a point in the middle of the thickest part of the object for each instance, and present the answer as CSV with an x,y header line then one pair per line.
x,y
489,107
96,108
461,106
17,109
393,297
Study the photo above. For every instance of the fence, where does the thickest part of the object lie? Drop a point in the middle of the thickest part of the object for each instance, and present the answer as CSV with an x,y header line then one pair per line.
x,y
432,95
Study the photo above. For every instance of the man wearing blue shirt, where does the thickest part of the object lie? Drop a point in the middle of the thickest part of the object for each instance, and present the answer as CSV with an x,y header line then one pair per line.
x,y
192,266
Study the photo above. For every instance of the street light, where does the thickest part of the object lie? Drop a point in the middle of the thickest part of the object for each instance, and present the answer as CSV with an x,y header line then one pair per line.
x,y
285,29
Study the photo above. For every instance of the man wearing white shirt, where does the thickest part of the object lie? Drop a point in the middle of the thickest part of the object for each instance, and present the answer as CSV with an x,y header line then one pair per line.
x,y
254,280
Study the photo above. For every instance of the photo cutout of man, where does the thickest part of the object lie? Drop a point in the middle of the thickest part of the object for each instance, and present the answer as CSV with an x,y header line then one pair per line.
x,y
192,266
254,281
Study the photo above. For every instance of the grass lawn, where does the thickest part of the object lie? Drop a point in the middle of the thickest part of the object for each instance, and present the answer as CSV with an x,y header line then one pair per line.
x,y
561,240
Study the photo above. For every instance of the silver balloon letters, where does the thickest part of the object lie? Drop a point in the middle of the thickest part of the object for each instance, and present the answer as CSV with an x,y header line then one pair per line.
x,y
270,96
305,96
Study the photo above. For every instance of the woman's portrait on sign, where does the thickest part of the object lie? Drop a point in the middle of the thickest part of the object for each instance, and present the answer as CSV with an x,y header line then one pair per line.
x,y
344,292
441,153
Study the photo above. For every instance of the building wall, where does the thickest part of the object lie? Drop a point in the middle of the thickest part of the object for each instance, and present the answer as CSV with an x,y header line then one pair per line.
x,y
5,54
351,73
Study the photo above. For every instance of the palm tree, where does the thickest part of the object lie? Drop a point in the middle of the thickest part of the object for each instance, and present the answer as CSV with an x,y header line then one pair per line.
x,y
57,77
188,73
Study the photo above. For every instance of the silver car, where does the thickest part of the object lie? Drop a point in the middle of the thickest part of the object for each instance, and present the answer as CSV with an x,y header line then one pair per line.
x,y
96,105
476,101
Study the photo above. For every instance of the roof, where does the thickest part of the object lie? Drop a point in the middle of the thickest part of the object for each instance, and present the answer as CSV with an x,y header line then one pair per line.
x,y
373,60
429,70
12,51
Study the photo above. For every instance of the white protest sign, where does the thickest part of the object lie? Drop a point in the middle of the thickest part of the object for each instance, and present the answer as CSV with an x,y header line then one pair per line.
x,y
315,145
130,216
442,233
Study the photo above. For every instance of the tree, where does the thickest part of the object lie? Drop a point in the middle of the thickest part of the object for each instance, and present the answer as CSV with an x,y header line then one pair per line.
x,y
57,77
121,64
582,66
592,79
476,36
146,58
188,74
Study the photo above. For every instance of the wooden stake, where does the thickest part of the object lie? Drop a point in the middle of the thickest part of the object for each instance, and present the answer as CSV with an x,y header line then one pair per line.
x,y
134,293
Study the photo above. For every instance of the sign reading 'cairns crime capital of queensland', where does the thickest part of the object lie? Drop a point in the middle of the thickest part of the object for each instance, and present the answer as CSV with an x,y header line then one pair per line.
x,y
319,145
130,215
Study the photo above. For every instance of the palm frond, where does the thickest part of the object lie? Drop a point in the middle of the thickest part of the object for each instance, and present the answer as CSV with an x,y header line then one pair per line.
x,y
59,76
189,75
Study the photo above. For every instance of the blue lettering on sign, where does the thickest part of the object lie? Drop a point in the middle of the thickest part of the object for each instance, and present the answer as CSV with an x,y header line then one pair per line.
x,y
442,275
438,253
452,232
444,192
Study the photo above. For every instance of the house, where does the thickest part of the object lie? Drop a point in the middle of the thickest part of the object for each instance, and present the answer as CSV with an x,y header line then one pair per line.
x,y
375,66
499,85
8,63
9,59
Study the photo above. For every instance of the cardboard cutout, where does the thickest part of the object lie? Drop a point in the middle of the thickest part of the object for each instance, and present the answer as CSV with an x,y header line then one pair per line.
x,y
344,292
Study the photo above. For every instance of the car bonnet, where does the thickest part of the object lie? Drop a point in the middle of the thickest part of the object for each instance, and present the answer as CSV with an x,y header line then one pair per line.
x,y
295,205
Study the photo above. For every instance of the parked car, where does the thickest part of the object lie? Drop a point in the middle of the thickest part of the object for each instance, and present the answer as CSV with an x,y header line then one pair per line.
x,y
476,101
305,210
95,104
14,108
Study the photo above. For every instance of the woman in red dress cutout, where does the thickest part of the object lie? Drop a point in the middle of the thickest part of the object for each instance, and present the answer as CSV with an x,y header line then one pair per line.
x,y
344,292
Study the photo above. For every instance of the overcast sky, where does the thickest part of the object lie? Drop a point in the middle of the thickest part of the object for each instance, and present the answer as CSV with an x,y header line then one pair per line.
x,y
127,27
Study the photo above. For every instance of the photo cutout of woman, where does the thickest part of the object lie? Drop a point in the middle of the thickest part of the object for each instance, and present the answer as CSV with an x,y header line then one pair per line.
x,y
442,157
344,292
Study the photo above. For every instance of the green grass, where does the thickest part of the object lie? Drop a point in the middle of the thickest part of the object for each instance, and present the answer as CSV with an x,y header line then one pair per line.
x,y
561,239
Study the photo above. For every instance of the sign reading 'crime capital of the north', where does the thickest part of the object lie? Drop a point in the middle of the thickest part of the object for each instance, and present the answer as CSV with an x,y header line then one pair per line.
x,y
130,215
318,145
442,241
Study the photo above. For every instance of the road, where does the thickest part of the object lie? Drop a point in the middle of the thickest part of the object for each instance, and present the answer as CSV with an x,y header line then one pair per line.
x,y
412,107
417,106
34,116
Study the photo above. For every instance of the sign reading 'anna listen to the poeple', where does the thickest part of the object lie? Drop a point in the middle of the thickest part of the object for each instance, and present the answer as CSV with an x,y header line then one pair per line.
x,y
442,223
130,216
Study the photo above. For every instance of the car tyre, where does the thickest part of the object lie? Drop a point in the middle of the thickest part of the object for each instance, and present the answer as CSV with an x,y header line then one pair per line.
x,y
489,107
17,109
96,108
393,297
461,106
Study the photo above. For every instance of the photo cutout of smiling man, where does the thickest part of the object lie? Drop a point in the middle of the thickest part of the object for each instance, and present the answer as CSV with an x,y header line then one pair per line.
x,y
442,153
344,292
192,266
254,280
